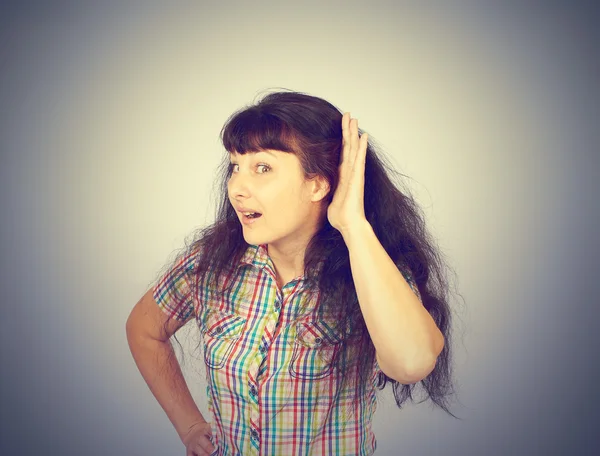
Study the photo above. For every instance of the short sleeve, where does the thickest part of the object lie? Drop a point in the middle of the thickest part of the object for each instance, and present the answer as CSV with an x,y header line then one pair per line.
x,y
175,291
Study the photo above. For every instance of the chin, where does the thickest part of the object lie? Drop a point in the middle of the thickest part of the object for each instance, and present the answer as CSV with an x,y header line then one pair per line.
x,y
249,236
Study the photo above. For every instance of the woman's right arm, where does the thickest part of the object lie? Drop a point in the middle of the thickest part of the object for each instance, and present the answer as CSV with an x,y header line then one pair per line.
x,y
154,356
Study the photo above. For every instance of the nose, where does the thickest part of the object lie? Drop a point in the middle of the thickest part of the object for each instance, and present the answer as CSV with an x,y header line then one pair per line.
x,y
238,186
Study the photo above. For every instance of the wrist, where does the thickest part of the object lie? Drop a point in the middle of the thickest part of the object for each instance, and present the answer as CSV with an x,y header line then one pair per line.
x,y
357,231
185,431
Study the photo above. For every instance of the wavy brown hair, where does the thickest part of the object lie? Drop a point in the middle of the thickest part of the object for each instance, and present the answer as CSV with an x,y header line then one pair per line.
x,y
310,128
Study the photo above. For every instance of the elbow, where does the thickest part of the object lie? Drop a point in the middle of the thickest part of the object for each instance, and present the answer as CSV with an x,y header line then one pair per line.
x,y
413,374
440,343
417,368
129,325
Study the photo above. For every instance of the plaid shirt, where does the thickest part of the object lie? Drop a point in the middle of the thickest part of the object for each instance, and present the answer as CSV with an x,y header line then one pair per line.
x,y
269,385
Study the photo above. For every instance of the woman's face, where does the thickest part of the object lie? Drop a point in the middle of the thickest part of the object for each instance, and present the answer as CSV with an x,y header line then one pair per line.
x,y
272,183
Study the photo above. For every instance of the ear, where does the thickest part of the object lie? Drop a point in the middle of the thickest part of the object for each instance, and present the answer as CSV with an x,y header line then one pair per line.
x,y
320,189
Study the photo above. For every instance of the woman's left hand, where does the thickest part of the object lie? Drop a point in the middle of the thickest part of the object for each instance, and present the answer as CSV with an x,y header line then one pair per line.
x,y
347,207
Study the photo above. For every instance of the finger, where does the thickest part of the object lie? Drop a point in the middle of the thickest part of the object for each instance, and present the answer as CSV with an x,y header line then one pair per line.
x,y
345,137
362,158
200,451
205,447
359,155
364,142
345,166
353,139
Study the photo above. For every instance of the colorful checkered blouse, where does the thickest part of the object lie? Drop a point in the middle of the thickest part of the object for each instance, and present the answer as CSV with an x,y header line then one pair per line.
x,y
268,384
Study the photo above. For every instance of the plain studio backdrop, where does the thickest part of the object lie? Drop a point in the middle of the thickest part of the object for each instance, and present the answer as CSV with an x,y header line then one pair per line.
x,y
110,115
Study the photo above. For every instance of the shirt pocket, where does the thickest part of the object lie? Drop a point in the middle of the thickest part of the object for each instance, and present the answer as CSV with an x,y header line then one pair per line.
x,y
223,329
315,346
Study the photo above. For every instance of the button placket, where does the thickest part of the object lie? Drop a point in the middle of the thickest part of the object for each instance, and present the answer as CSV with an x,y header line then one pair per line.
x,y
255,440
253,392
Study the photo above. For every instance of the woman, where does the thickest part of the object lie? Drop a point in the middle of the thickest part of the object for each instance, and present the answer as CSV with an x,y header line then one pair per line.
x,y
316,284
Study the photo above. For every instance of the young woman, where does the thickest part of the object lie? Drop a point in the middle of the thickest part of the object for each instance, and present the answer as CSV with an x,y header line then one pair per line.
x,y
316,285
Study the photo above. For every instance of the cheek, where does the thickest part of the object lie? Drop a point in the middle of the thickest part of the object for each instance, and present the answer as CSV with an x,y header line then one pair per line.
x,y
294,214
283,202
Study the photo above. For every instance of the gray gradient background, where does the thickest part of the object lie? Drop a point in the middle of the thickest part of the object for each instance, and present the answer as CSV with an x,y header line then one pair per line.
x,y
109,122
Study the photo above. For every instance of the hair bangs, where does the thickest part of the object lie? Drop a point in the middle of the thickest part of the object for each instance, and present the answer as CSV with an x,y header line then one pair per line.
x,y
252,130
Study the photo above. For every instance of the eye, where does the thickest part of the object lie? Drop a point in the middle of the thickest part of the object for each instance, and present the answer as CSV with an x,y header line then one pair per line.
x,y
267,167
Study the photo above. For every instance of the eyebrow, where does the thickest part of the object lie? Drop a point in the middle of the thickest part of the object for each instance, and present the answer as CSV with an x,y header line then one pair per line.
x,y
259,152
267,152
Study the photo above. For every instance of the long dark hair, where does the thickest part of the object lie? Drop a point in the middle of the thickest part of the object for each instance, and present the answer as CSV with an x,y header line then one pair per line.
x,y
310,128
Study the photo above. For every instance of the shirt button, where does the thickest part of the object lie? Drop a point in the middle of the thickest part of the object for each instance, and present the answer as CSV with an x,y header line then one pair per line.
x,y
218,330
277,304
253,390
318,340
261,349
254,434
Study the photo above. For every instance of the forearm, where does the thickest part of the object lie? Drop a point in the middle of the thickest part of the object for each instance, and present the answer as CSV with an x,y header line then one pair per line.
x,y
405,336
158,365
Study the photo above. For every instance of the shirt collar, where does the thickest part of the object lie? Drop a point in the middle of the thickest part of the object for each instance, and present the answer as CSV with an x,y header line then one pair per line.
x,y
258,256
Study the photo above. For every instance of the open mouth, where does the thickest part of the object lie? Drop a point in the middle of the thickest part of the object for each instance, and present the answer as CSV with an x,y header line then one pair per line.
x,y
252,215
